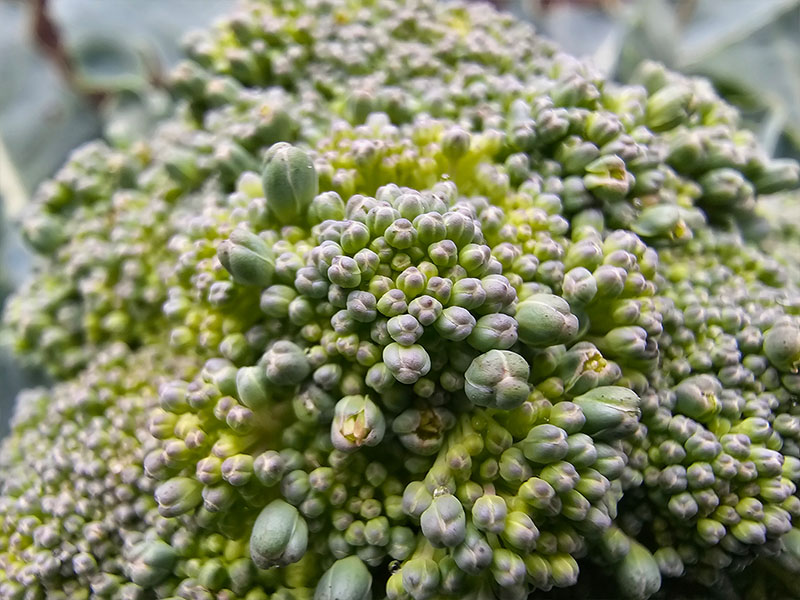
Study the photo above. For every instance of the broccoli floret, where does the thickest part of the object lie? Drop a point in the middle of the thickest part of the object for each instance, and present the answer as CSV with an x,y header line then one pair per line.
x,y
402,301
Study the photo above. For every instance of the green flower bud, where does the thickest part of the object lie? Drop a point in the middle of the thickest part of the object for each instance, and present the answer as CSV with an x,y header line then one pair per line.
x,y
508,568
347,579
513,466
726,188
545,444
579,286
248,259
392,303
568,416
444,523
420,578
493,332
497,379
468,293
561,476
269,467
474,554
327,206
683,505
607,178
252,387
276,301
290,182
177,496
401,234
611,412
407,363
357,421
422,431
344,272
455,143
402,542
581,452
238,469
782,347
545,320
460,228
563,570
750,532
711,531
669,562
668,107
416,499
696,397
638,575
660,220
285,363
489,513
520,531
150,562
615,544
404,329
455,323
279,536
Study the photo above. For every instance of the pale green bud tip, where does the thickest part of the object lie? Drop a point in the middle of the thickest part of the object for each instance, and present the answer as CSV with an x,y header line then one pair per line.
x,y
638,574
252,387
545,444
610,411
545,320
347,579
782,347
444,522
421,578
357,422
407,363
279,536
247,258
178,496
286,364
290,182
150,562
497,379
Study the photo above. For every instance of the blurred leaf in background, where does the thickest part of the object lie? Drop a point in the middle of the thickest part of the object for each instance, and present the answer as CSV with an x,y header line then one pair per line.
x,y
73,70
749,48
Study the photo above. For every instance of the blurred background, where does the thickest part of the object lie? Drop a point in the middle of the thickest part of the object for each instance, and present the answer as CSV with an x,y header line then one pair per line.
x,y
73,70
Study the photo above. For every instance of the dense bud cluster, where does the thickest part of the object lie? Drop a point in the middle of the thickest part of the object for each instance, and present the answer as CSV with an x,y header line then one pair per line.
x,y
403,302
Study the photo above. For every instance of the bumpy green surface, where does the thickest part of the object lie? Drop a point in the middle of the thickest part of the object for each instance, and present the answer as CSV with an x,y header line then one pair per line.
x,y
402,302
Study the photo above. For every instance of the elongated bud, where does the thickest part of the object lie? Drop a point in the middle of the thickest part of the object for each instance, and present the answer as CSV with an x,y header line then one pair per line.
x,y
150,562
421,578
489,513
279,536
248,258
545,444
638,575
474,554
347,579
252,387
545,320
611,412
357,422
178,496
290,182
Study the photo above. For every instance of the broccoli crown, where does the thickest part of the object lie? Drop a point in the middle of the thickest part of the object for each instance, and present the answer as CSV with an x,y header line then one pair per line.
x,y
404,302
